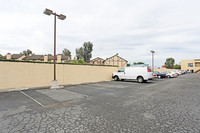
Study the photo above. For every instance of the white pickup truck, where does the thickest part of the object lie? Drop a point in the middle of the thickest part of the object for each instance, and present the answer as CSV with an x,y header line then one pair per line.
x,y
139,73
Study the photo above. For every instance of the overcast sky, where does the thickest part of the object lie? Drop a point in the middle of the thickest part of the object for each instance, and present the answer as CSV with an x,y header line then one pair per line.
x,y
131,28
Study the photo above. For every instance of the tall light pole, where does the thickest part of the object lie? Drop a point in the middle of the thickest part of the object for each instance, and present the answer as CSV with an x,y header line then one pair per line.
x,y
61,17
152,59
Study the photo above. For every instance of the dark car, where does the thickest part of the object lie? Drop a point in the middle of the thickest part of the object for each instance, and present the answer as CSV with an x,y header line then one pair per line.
x,y
159,75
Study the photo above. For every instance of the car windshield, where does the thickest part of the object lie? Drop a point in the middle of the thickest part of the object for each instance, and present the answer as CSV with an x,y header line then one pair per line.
x,y
121,70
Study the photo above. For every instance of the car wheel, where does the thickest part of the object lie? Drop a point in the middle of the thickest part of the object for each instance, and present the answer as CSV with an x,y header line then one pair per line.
x,y
116,78
140,79
168,76
159,77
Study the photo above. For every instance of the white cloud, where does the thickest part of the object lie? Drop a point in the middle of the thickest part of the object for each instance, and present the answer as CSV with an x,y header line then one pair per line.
x,y
131,28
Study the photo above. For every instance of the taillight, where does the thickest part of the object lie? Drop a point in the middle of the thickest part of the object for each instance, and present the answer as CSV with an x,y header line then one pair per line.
x,y
147,70
154,75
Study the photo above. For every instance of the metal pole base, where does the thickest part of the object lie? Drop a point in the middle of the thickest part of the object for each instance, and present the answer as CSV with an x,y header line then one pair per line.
x,y
54,85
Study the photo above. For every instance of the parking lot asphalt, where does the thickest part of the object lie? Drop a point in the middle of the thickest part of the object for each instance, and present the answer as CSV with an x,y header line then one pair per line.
x,y
160,105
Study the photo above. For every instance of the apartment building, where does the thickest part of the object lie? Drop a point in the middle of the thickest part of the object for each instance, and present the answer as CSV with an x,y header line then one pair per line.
x,y
115,60
37,58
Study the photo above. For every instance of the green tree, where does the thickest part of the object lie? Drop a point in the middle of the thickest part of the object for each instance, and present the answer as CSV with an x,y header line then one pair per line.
x,y
85,52
87,48
66,52
1,56
79,61
26,52
74,61
176,66
169,62
79,53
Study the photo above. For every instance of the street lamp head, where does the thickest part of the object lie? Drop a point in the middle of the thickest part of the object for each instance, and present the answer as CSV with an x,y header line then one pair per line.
x,y
152,51
48,12
61,17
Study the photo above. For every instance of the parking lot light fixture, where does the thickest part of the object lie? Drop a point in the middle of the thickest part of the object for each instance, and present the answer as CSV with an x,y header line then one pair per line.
x,y
61,17
48,12
54,83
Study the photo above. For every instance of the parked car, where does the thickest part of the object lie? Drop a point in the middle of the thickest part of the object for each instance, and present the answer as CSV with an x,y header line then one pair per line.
x,y
175,72
179,72
139,73
170,74
183,71
159,74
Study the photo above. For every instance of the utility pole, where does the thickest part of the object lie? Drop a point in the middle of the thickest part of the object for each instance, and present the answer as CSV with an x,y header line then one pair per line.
x,y
152,60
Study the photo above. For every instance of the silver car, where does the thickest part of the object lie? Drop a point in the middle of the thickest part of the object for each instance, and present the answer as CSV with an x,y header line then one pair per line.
x,y
170,74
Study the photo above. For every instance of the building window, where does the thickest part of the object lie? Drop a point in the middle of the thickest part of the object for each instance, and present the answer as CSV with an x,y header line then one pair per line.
x,y
190,64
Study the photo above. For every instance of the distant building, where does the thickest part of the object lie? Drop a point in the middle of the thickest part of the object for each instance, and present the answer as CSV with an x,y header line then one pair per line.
x,y
8,56
37,58
115,60
97,60
59,58
191,65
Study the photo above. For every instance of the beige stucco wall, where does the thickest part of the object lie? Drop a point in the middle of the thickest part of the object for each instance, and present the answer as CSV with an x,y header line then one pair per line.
x,y
25,75
58,58
45,58
8,56
184,65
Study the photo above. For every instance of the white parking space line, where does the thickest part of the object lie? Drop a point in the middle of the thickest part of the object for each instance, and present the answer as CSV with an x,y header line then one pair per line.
x,y
31,98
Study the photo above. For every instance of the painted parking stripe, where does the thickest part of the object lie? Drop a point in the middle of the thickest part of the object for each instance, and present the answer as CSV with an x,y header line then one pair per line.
x,y
31,98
